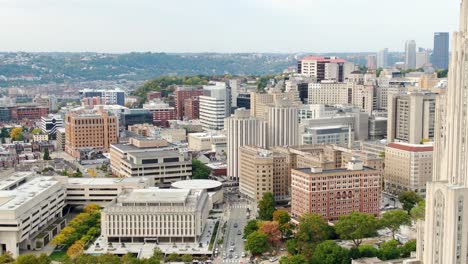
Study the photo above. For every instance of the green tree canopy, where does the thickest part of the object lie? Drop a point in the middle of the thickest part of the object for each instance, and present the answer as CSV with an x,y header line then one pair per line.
x,y
266,207
257,243
407,248
46,154
409,199
367,251
356,226
251,227
394,219
389,250
328,252
294,259
200,170
419,211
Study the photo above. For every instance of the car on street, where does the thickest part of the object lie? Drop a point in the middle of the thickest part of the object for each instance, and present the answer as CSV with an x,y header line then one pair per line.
x,y
239,232
235,225
273,259
243,254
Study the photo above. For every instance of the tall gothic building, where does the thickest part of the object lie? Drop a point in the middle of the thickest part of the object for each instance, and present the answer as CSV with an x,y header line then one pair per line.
x,y
444,239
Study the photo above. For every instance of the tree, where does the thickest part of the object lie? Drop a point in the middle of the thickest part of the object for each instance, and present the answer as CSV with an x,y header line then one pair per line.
x,y
291,246
257,243
389,250
46,154
187,258
173,257
4,133
295,259
266,207
394,219
36,131
283,218
32,259
6,257
108,259
129,259
271,229
367,251
409,199
200,170
407,248
17,134
419,211
356,226
76,249
329,252
91,208
251,227
312,229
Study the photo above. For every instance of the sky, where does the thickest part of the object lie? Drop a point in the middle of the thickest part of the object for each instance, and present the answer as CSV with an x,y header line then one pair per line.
x,y
281,26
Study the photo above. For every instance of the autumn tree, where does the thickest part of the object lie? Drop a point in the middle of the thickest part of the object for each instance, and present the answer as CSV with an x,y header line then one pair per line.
x,y
91,208
283,218
16,134
394,219
271,229
76,249
356,226
6,257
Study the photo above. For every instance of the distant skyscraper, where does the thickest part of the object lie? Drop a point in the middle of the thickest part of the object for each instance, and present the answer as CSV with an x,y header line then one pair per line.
x,y
371,62
440,56
283,125
445,236
382,58
214,106
422,58
410,54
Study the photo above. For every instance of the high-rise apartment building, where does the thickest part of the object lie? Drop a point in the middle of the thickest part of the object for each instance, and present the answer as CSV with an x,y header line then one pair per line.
x,y
234,84
371,62
90,130
440,55
382,58
242,129
262,171
325,68
411,117
408,167
410,54
332,193
283,125
445,235
214,106
184,92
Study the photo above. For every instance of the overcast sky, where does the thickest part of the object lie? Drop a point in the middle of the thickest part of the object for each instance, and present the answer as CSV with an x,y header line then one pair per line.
x,y
222,25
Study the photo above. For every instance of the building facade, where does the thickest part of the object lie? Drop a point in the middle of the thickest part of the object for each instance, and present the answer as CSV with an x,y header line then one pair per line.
x,y
184,92
156,216
50,124
408,167
332,193
440,55
411,118
262,171
242,129
214,106
96,130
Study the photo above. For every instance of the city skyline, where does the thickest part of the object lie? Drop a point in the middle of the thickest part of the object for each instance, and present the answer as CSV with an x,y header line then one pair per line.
x,y
220,26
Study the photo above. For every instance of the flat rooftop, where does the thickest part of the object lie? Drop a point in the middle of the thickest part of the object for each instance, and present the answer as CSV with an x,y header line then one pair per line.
x,y
330,171
12,199
104,181
155,195
197,184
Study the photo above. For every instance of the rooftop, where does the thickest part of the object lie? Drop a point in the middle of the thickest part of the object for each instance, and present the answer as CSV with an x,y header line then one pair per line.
x,y
104,181
196,184
331,171
155,195
411,147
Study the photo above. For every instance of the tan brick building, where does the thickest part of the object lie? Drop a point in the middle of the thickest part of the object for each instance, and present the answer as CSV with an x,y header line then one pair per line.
x,y
262,171
90,129
335,192
408,167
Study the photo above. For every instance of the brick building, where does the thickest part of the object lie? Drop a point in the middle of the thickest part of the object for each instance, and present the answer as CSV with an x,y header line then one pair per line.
x,y
335,192
192,108
184,92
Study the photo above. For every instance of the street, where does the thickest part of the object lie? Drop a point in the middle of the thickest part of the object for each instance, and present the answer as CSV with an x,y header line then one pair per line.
x,y
232,250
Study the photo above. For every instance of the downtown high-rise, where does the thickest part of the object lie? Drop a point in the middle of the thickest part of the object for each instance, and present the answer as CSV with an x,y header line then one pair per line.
x,y
410,54
440,55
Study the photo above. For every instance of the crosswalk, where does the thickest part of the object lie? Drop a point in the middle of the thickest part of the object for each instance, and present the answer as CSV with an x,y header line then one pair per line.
x,y
239,206
233,260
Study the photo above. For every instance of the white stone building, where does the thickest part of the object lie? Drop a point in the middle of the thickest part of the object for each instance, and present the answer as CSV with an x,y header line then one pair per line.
x,y
156,215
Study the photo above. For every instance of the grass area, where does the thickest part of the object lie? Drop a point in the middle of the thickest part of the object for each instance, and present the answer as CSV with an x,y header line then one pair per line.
x,y
213,237
60,256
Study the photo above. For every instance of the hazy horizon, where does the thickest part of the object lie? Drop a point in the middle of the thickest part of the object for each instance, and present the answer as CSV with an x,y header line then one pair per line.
x,y
221,26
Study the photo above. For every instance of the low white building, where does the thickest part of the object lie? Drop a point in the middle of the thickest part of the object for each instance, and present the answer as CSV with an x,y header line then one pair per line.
x,y
29,205
100,191
156,215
